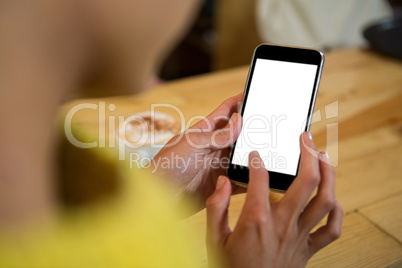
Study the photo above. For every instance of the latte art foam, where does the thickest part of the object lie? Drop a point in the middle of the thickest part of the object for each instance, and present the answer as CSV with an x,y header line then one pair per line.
x,y
147,128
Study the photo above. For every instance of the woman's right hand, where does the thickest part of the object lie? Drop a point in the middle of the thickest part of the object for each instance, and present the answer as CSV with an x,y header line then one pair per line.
x,y
278,234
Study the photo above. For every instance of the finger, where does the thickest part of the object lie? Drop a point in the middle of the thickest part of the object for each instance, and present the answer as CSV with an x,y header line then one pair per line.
x,y
324,201
218,139
308,178
217,119
217,212
258,187
226,137
328,233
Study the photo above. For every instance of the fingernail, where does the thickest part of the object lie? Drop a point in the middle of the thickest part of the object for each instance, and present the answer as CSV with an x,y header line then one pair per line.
x,y
307,136
220,182
255,159
326,158
310,137
255,154
234,118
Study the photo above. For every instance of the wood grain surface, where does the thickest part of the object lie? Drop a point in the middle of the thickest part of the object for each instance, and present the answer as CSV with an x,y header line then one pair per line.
x,y
358,118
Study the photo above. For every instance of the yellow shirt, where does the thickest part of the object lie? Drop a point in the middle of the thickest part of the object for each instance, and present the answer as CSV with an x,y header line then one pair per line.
x,y
138,227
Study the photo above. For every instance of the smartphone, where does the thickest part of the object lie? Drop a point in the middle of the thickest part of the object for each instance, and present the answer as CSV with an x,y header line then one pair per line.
x,y
278,104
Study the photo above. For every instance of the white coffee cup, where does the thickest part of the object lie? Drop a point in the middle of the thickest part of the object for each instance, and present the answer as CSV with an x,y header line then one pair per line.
x,y
146,134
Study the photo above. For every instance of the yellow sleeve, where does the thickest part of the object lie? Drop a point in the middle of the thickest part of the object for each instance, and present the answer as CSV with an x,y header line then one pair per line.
x,y
138,227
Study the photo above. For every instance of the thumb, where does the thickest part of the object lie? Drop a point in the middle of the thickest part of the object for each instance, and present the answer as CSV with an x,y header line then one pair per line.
x,y
217,213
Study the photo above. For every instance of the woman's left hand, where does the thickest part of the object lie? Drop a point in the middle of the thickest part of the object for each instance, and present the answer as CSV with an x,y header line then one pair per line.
x,y
198,156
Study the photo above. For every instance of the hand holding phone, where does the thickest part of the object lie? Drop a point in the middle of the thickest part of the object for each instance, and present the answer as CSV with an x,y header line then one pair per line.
x,y
277,107
281,234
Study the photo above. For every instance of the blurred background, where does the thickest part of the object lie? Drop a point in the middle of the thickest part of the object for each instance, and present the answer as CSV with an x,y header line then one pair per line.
x,y
225,33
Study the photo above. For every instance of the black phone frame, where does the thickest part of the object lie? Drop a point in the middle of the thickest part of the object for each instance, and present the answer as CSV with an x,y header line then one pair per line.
x,y
278,181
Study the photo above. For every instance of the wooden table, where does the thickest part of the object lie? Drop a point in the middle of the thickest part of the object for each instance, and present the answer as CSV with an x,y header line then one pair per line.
x,y
359,112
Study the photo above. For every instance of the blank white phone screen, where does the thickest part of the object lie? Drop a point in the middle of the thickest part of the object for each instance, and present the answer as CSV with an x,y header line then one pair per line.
x,y
275,114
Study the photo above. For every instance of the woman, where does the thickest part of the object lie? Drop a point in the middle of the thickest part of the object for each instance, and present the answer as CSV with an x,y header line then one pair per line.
x,y
49,49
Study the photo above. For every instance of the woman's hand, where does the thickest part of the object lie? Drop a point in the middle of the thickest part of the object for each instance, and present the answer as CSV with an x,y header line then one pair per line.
x,y
198,156
278,234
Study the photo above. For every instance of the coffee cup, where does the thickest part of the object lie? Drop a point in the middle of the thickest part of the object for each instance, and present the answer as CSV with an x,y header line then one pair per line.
x,y
146,133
